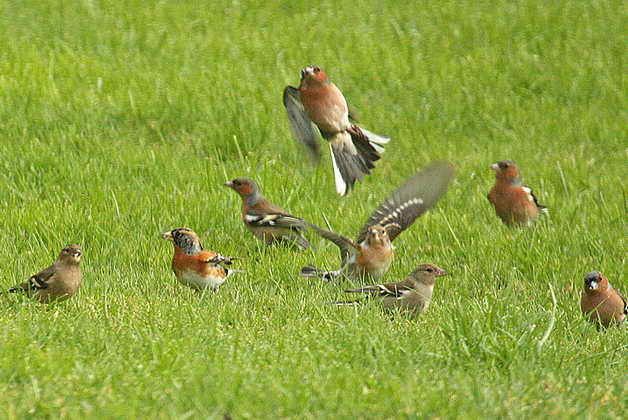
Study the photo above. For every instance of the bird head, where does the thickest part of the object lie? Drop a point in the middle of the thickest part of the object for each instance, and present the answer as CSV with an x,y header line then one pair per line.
x,y
243,186
185,239
507,171
427,273
377,236
594,281
313,74
71,254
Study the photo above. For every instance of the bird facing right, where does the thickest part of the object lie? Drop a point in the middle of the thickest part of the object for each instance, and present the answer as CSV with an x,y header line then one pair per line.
x,y
514,202
411,296
600,302
58,282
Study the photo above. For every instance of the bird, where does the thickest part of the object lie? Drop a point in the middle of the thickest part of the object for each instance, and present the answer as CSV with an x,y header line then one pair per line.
x,y
195,267
318,102
514,202
268,222
372,253
58,282
600,302
412,295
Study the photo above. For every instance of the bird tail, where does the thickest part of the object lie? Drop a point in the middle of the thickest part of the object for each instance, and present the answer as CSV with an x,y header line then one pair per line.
x,y
345,303
311,271
354,152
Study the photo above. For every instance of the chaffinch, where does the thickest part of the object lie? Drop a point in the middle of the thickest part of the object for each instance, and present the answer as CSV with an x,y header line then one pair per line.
x,y
412,295
600,302
514,202
195,267
372,253
58,282
268,222
318,101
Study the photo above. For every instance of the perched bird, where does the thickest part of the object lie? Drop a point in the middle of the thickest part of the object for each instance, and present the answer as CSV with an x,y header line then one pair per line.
x,y
58,282
413,295
514,202
317,101
372,253
600,302
268,222
195,267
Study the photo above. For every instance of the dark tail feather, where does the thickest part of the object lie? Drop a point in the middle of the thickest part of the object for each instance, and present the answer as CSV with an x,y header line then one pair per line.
x,y
311,271
345,303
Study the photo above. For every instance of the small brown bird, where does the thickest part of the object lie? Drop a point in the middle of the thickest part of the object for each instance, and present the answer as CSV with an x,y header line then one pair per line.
x,y
317,101
193,266
514,202
58,282
372,253
268,222
413,295
600,302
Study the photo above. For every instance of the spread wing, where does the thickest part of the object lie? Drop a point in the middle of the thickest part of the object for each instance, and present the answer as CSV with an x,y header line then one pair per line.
x,y
346,245
395,290
300,124
417,195
36,281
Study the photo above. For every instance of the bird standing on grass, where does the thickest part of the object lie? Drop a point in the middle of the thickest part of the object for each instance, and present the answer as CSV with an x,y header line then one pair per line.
x,y
318,101
514,202
600,302
268,222
195,267
412,295
372,253
58,282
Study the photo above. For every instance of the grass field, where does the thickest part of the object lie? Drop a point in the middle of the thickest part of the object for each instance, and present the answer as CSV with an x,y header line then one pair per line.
x,y
121,120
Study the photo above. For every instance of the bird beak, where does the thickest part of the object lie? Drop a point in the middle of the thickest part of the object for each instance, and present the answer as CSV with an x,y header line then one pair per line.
x,y
441,273
494,167
228,184
167,236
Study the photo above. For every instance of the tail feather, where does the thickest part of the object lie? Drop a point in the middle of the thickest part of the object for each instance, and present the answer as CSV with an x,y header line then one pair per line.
x,y
311,271
345,303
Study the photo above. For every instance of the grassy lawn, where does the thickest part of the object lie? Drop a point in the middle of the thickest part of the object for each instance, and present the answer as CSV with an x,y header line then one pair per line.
x,y
121,120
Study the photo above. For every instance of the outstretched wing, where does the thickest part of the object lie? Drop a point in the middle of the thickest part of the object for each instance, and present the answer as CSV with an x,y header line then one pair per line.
x,y
300,124
346,245
411,200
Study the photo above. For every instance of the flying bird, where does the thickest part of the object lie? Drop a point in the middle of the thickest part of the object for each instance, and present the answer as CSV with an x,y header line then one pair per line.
x,y
371,254
318,102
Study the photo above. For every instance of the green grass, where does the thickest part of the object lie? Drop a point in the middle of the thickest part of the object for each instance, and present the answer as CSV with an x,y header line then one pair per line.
x,y
120,120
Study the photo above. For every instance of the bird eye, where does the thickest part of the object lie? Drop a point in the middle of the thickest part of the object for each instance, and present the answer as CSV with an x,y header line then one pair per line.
x,y
430,270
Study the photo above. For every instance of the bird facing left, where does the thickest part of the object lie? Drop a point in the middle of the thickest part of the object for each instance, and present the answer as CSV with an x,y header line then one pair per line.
x,y
58,282
195,267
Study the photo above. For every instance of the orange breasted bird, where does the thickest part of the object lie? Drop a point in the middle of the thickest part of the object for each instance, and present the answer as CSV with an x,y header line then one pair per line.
x,y
195,267
600,302
372,253
58,282
412,295
514,202
268,222
318,102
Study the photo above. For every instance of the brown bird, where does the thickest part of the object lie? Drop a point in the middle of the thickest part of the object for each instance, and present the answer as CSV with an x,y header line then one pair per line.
x,y
268,222
372,253
317,101
600,302
58,282
195,267
514,202
412,295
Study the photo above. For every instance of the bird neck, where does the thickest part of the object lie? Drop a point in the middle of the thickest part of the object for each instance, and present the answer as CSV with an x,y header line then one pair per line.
x,y
188,246
252,199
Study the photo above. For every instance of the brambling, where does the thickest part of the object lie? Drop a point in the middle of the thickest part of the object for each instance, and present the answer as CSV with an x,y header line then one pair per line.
x,y
58,282
268,222
318,101
194,267
412,295
372,253
600,302
514,202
